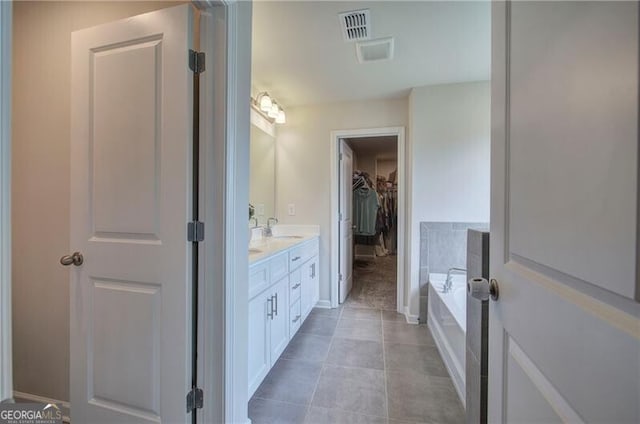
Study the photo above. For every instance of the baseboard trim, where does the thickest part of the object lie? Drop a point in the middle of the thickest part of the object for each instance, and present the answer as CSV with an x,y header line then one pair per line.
x,y
324,304
411,319
66,408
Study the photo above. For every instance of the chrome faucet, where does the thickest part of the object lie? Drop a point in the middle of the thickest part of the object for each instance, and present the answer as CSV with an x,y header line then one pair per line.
x,y
268,232
448,282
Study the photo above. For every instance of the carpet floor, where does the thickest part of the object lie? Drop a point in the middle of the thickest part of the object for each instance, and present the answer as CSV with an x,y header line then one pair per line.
x,y
374,283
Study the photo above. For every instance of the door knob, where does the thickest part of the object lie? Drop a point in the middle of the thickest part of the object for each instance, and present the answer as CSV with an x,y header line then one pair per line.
x,y
75,259
481,289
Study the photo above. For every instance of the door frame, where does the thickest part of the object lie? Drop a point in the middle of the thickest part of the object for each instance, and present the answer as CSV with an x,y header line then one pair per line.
x,y
6,365
226,37
336,136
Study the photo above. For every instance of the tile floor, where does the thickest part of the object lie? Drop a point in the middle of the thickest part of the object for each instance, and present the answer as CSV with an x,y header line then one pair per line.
x,y
358,365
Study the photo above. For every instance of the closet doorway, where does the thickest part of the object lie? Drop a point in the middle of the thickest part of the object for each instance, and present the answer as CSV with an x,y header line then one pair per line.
x,y
368,230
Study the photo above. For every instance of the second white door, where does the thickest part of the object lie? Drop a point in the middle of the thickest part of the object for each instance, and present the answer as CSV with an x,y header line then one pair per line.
x,y
564,332
346,221
130,187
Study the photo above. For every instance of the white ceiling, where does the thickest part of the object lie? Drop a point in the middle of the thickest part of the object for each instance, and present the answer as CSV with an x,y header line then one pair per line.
x,y
299,55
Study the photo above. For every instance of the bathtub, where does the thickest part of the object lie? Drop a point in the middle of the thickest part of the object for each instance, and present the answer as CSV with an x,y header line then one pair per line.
x,y
447,320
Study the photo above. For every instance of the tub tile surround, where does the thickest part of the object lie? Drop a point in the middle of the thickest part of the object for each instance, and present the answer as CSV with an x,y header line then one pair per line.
x,y
447,245
443,245
390,372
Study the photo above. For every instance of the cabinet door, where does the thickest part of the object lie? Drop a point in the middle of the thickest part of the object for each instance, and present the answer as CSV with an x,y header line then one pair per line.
x,y
307,289
310,287
279,331
315,286
259,361
295,317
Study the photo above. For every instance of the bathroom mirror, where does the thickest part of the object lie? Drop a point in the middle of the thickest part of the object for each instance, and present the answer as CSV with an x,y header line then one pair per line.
x,y
262,171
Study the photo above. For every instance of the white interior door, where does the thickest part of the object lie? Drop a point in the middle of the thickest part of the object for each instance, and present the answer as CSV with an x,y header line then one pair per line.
x,y
130,188
346,221
565,331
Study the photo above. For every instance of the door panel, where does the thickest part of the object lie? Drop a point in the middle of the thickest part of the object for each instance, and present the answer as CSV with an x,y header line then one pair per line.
x,y
279,325
346,222
309,287
130,185
124,363
125,173
258,347
564,334
573,112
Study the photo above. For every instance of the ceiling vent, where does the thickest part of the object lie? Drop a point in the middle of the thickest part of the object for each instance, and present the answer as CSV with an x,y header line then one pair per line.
x,y
356,25
375,50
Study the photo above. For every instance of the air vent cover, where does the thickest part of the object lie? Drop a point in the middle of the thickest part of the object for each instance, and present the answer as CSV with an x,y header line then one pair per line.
x,y
375,50
356,25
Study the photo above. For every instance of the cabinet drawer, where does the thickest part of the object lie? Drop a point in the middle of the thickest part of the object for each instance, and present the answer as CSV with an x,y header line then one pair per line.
x,y
303,253
258,278
296,257
295,285
295,318
279,266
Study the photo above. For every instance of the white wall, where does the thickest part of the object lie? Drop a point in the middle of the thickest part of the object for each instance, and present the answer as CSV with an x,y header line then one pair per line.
x,y
449,155
303,162
40,164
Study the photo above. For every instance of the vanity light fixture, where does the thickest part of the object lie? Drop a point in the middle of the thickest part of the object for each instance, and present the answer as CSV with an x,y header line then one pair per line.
x,y
267,107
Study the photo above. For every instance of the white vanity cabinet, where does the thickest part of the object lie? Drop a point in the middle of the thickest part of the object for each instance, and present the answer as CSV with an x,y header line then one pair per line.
x,y
283,288
268,330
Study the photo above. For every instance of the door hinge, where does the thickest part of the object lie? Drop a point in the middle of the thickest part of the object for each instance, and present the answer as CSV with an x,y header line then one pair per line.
x,y
340,277
340,156
195,399
340,216
196,61
195,231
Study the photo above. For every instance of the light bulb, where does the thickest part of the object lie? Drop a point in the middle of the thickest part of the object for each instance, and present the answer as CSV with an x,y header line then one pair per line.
x,y
265,103
282,118
274,111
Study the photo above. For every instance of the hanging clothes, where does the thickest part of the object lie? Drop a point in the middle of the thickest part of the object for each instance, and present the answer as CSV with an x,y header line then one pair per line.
x,y
365,211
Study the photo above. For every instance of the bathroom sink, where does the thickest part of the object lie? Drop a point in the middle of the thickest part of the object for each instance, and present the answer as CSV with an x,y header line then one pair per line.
x,y
253,250
287,237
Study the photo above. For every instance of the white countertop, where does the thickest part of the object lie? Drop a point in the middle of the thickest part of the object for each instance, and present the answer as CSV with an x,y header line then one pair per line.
x,y
269,246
